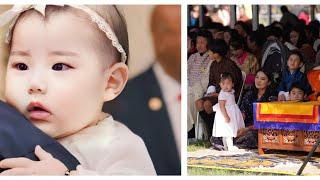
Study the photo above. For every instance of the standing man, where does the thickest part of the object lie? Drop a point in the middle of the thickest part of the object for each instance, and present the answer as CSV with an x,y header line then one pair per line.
x,y
150,104
288,19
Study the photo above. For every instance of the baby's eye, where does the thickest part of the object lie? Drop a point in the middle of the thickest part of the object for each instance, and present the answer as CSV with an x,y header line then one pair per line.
x,y
60,67
20,66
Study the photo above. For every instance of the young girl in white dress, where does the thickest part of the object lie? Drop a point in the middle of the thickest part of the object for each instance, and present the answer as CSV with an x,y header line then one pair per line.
x,y
228,119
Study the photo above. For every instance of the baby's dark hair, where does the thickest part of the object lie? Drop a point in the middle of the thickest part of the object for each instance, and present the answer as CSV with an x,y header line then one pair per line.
x,y
225,76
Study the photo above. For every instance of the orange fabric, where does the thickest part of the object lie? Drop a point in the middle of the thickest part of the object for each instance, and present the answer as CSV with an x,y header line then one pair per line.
x,y
294,118
314,80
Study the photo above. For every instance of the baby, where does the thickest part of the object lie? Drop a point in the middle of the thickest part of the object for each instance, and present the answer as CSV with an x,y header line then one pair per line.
x,y
228,119
64,63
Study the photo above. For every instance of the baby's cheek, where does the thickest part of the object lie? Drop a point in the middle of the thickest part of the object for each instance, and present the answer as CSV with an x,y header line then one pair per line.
x,y
12,92
14,99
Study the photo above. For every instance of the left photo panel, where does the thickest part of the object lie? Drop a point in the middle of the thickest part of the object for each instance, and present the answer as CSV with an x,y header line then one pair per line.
x,y
90,89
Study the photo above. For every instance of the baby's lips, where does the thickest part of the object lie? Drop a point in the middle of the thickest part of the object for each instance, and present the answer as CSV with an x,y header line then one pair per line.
x,y
39,115
37,105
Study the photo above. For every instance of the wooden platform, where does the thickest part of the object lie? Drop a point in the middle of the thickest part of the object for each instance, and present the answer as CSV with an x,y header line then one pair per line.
x,y
286,140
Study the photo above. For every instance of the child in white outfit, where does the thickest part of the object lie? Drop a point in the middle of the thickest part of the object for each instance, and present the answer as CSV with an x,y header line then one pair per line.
x,y
64,62
228,119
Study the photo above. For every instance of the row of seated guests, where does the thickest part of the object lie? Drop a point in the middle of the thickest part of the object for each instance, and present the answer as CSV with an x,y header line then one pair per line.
x,y
304,38
301,37
215,57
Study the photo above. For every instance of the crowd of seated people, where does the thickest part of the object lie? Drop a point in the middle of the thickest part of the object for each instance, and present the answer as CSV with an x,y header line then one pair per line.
x,y
275,60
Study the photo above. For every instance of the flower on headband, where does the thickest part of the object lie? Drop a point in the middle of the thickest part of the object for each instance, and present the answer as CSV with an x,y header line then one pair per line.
x,y
16,10
13,14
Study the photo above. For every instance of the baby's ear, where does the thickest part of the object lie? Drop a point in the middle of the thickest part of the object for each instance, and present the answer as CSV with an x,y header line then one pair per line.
x,y
116,79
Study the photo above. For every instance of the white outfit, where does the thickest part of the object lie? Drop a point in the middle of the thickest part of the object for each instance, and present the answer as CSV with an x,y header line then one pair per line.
x,y
196,92
170,89
109,148
220,127
286,95
198,78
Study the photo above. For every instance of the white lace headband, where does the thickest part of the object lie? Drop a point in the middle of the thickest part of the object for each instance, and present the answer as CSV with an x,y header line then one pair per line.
x,y
12,15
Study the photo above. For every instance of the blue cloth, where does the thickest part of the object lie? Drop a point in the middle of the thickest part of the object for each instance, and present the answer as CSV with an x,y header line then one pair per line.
x,y
283,125
154,127
19,137
288,79
194,22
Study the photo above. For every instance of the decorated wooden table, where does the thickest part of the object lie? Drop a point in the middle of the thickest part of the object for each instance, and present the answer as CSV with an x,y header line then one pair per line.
x,y
287,125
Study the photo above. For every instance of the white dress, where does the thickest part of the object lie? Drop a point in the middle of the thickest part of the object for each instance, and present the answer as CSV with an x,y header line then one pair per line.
x,y
109,148
220,127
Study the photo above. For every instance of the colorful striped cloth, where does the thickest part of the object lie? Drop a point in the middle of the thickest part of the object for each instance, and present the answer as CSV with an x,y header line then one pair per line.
x,y
287,115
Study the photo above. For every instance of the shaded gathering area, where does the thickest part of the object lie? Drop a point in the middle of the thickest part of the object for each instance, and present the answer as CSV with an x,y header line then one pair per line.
x,y
269,53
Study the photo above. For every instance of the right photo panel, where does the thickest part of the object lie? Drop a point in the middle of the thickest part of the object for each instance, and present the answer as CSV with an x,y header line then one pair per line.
x,y
253,89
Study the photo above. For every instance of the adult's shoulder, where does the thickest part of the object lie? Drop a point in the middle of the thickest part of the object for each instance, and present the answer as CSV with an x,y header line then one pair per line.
x,y
231,63
193,56
251,56
146,75
235,68
249,92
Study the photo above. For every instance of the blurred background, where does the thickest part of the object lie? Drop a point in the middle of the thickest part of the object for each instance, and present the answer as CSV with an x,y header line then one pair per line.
x,y
199,14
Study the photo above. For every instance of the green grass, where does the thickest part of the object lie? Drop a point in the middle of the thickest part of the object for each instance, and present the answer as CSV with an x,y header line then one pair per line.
x,y
195,171
198,145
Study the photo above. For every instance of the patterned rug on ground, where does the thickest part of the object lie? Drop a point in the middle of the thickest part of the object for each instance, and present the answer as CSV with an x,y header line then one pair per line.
x,y
283,162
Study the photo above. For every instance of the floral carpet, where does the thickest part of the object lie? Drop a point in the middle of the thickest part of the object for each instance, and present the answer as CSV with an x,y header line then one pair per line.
x,y
285,162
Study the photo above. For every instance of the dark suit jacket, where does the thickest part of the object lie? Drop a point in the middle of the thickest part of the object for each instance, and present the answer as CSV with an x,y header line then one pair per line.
x,y
132,109
18,138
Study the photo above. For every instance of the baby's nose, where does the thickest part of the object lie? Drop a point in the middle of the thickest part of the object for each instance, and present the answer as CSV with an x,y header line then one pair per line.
x,y
35,90
37,87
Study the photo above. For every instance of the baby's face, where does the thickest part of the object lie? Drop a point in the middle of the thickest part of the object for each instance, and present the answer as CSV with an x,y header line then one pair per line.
x,y
226,85
55,76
